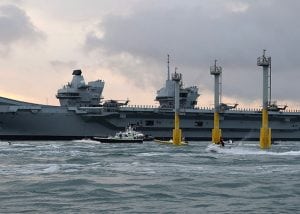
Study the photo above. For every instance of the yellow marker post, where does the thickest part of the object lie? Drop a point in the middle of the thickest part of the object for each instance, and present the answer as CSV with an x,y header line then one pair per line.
x,y
177,133
265,131
216,131
177,139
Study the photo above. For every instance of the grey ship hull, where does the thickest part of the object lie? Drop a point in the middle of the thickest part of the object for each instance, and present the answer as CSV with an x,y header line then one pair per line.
x,y
24,121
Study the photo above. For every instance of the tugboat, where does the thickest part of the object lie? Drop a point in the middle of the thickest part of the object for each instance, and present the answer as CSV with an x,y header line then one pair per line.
x,y
127,136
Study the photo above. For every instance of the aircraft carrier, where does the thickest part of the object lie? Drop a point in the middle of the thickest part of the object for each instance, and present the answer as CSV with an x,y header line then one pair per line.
x,y
83,113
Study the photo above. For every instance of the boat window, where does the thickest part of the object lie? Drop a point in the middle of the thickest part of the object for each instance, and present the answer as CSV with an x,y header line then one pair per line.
x,y
183,94
199,123
149,122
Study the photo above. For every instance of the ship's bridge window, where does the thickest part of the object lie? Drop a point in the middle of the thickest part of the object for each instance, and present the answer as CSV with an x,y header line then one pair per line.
x,y
183,94
199,123
194,102
149,123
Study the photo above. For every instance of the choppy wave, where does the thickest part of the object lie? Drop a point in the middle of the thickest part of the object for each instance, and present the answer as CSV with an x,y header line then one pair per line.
x,y
86,141
83,176
242,150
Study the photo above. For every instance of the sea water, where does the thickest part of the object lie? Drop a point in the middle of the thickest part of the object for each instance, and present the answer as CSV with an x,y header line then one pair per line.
x,y
90,177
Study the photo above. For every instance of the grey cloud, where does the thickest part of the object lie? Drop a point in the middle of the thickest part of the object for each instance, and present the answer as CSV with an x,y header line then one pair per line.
x,y
58,64
16,26
197,32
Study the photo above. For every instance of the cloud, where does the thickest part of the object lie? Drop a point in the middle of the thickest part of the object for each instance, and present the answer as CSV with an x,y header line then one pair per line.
x,y
197,32
16,26
58,64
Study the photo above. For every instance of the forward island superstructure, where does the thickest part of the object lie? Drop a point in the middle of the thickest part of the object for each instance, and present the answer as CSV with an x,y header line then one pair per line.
x,y
78,94
82,113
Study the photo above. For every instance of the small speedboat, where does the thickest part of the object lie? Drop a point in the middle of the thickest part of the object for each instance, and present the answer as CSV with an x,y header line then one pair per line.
x,y
128,136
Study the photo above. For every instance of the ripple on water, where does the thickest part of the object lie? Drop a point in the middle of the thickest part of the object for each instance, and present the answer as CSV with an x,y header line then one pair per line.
x,y
74,177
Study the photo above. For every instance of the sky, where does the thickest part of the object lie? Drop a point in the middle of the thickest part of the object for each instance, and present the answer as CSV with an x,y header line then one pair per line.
x,y
126,43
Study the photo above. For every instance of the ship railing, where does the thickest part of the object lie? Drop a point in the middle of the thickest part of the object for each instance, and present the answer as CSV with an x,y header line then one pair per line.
x,y
259,110
139,107
249,110
291,110
151,107
203,108
232,110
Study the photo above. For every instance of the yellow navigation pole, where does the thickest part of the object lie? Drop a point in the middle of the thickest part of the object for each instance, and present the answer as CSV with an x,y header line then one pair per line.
x,y
265,131
216,131
177,133
177,139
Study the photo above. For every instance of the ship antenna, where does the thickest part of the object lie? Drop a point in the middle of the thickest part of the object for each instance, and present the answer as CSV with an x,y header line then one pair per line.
x,y
168,67
270,76
220,82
